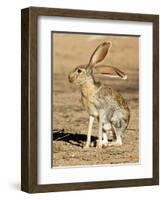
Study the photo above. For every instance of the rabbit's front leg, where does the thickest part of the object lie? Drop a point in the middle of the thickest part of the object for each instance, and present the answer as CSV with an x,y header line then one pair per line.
x,y
100,142
91,119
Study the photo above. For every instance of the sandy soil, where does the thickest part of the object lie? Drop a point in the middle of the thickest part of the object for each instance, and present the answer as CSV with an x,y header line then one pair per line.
x,y
70,120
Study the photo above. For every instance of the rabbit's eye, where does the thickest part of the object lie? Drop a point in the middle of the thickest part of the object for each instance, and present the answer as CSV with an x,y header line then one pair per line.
x,y
79,71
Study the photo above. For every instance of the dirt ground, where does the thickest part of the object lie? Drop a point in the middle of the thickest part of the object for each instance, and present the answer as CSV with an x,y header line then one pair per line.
x,y
70,120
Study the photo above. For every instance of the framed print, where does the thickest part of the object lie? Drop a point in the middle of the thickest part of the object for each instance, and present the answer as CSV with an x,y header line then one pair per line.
x,y
90,99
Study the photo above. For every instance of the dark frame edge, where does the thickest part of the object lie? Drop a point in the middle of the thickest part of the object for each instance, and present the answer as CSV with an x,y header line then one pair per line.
x,y
156,100
24,99
28,101
92,14
92,185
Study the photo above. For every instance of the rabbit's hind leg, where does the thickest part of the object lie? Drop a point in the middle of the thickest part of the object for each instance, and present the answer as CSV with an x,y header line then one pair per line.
x,y
105,133
119,128
100,132
118,140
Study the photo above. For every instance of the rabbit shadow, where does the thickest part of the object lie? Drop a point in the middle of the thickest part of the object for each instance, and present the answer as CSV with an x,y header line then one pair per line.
x,y
71,138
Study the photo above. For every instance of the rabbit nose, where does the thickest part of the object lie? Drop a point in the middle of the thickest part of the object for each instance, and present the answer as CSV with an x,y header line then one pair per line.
x,y
70,77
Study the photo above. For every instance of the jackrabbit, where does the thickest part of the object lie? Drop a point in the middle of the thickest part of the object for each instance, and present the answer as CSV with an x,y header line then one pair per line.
x,y
101,101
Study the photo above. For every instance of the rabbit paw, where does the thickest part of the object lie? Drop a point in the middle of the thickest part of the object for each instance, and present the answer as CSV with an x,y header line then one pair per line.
x,y
114,143
99,144
86,146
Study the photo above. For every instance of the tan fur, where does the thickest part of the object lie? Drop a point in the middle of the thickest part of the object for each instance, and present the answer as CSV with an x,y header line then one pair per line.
x,y
99,100
88,90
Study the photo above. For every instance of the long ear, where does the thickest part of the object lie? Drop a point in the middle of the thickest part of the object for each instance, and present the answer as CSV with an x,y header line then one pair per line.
x,y
110,71
99,53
